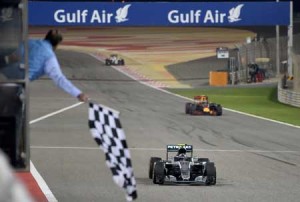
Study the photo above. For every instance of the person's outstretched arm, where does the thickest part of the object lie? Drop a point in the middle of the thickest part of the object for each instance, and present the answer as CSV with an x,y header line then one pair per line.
x,y
53,71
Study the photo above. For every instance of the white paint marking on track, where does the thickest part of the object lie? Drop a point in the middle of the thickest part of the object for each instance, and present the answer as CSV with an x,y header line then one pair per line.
x,y
235,111
39,179
44,187
42,184
163,149
259,117
165,91
54,113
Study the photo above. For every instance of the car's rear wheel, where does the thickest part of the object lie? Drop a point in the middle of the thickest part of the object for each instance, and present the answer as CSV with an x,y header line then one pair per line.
x,y
203,160
211,174
151,164
159,173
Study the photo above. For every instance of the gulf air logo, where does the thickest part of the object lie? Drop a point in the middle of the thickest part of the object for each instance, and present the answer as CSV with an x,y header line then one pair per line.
x,y
92,16
121,14
234,13
205,17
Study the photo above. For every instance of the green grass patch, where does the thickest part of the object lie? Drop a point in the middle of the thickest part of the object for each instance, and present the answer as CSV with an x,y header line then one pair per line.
x,y
260,101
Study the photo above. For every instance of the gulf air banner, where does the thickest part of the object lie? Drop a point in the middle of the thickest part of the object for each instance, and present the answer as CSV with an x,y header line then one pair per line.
x,y
159,14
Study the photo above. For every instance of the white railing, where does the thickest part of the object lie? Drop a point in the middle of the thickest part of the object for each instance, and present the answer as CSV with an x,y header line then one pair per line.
x,y
287,96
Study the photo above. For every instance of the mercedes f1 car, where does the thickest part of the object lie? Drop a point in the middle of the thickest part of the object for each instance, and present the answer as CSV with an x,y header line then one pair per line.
x,y
182,168
114,60
201,106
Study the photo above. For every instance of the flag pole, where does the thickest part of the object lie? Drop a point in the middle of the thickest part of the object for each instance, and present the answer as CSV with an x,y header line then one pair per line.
x,y
277,50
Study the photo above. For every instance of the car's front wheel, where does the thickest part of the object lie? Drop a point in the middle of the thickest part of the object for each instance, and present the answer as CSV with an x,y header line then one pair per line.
x,y
188,108
107,62
219,110
211,174
122,62
151,165
159,173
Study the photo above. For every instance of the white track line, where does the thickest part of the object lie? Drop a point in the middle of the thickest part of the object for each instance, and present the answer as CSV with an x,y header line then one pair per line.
x,y
39,179
263,118
42,184
54,113
44,187
238,112
165,91
163,149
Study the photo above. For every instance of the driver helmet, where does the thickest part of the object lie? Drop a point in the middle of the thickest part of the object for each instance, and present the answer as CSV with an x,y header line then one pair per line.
x,y
181,151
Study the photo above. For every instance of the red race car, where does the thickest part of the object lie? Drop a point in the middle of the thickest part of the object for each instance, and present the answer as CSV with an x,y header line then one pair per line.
x,y
201,106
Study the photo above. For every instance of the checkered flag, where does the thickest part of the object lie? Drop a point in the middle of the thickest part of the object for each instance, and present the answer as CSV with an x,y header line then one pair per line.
x,y
106,129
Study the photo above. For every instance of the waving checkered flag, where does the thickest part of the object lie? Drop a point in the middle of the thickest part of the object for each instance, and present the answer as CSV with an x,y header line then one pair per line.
x,y
107,131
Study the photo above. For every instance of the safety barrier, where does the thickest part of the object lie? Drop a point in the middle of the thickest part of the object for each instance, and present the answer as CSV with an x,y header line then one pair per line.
x,y
287,96
218,78
289,91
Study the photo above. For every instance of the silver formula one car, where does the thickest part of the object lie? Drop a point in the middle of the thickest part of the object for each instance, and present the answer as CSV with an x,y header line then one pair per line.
x,y
182,168
114,60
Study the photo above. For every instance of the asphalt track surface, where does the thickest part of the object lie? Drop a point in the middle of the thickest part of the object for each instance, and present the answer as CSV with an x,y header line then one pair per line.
x,y
256,160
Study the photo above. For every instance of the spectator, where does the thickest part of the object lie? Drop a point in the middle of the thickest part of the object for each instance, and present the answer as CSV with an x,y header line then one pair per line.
x,y
42,61
252,72
284,81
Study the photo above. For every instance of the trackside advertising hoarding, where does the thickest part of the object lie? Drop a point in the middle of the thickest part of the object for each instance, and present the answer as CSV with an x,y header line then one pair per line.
x,y
159,14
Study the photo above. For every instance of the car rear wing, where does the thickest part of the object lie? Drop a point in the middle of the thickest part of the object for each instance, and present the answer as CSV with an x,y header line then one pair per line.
x,y
201,98
176,147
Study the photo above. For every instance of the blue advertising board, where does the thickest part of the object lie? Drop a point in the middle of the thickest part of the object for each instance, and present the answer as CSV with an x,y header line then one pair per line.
x,y
159,14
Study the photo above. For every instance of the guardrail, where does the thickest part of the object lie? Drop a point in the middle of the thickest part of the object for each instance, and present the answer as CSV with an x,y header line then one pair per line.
x,y
287,96
289,91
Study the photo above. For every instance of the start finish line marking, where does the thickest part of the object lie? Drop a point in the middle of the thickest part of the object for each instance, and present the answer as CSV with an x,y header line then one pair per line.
x,y
163,149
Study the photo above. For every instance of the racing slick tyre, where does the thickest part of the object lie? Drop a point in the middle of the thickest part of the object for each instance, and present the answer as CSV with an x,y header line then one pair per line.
x,y
211,174
203,160
122,62
188,108
107,62
159,173
219,110
119,62
193,109
151,164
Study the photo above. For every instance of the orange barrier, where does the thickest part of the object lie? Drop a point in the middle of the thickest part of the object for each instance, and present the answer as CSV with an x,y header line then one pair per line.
x,y
218,78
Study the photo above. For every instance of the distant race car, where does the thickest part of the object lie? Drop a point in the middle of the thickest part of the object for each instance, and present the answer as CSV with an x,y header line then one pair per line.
x,y
201,106
182,168
114,60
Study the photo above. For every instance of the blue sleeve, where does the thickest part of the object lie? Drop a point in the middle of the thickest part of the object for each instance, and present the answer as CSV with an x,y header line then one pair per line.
x,y
53,71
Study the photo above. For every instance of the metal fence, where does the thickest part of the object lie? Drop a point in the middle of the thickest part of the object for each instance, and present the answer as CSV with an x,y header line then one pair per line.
x,y
262,52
